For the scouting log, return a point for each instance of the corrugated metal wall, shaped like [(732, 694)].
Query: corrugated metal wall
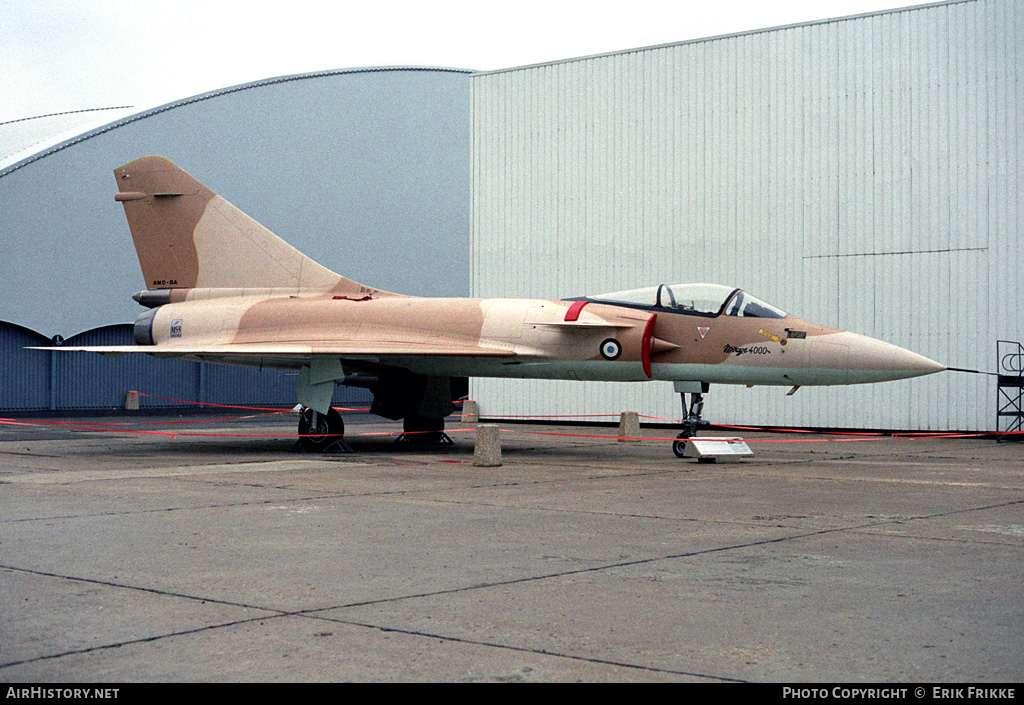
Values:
[(25, 375), (35, 380), (864, 173)]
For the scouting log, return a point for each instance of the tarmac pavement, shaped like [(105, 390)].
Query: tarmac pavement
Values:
[(132, 556)]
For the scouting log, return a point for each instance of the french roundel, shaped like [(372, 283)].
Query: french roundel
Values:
[(611, 349)]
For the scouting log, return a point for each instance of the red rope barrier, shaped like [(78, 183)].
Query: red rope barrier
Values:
[(124, 427), (203, 403), (120, 427)]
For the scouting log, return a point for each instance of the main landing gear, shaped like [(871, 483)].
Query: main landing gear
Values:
[(325, 433), (423, 431), (321, 433), (692, 420)]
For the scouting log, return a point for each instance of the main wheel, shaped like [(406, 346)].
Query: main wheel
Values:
[(318, 431)]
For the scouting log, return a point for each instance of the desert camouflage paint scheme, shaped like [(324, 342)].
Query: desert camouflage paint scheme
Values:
[(222, 288)]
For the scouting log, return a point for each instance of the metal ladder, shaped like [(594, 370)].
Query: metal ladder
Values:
[(1010, 388)]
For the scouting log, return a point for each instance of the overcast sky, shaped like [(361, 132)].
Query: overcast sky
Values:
[(66, 55)]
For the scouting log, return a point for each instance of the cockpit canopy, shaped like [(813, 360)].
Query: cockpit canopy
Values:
[(693, 298)]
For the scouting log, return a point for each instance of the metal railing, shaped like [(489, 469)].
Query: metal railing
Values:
[(1010, 386)]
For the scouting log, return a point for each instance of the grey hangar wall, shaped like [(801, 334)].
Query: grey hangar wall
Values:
[(366, 171)]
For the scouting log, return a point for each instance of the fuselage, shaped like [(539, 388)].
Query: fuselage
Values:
[(586, 339)]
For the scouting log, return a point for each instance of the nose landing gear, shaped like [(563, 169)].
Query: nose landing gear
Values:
[(692, 419)]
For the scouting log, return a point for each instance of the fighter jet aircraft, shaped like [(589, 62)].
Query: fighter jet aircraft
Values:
[(222, 288)]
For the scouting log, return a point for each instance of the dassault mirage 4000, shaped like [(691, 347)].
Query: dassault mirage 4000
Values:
[(222, 288)]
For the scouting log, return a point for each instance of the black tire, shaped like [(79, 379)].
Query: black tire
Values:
[(318, 431), (679, 445), (423, 431)]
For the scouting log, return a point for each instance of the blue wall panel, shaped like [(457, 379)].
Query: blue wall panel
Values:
[(67, 381), (24, 374)]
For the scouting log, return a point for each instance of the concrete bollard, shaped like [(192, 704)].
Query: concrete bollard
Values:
[(470, 412), (629, 427), (131, 401), (487, 450)]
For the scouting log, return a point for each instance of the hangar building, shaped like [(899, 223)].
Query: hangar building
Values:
[(335, 162), (862, 172)]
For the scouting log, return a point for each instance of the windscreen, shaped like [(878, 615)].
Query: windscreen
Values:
[(752, 307)]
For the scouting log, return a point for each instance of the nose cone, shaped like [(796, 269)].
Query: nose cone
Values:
[(859, 359)]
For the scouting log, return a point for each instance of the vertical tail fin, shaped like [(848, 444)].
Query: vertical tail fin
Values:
[(186, 236)]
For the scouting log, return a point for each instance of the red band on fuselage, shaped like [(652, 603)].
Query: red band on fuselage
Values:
[(645, 345)]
